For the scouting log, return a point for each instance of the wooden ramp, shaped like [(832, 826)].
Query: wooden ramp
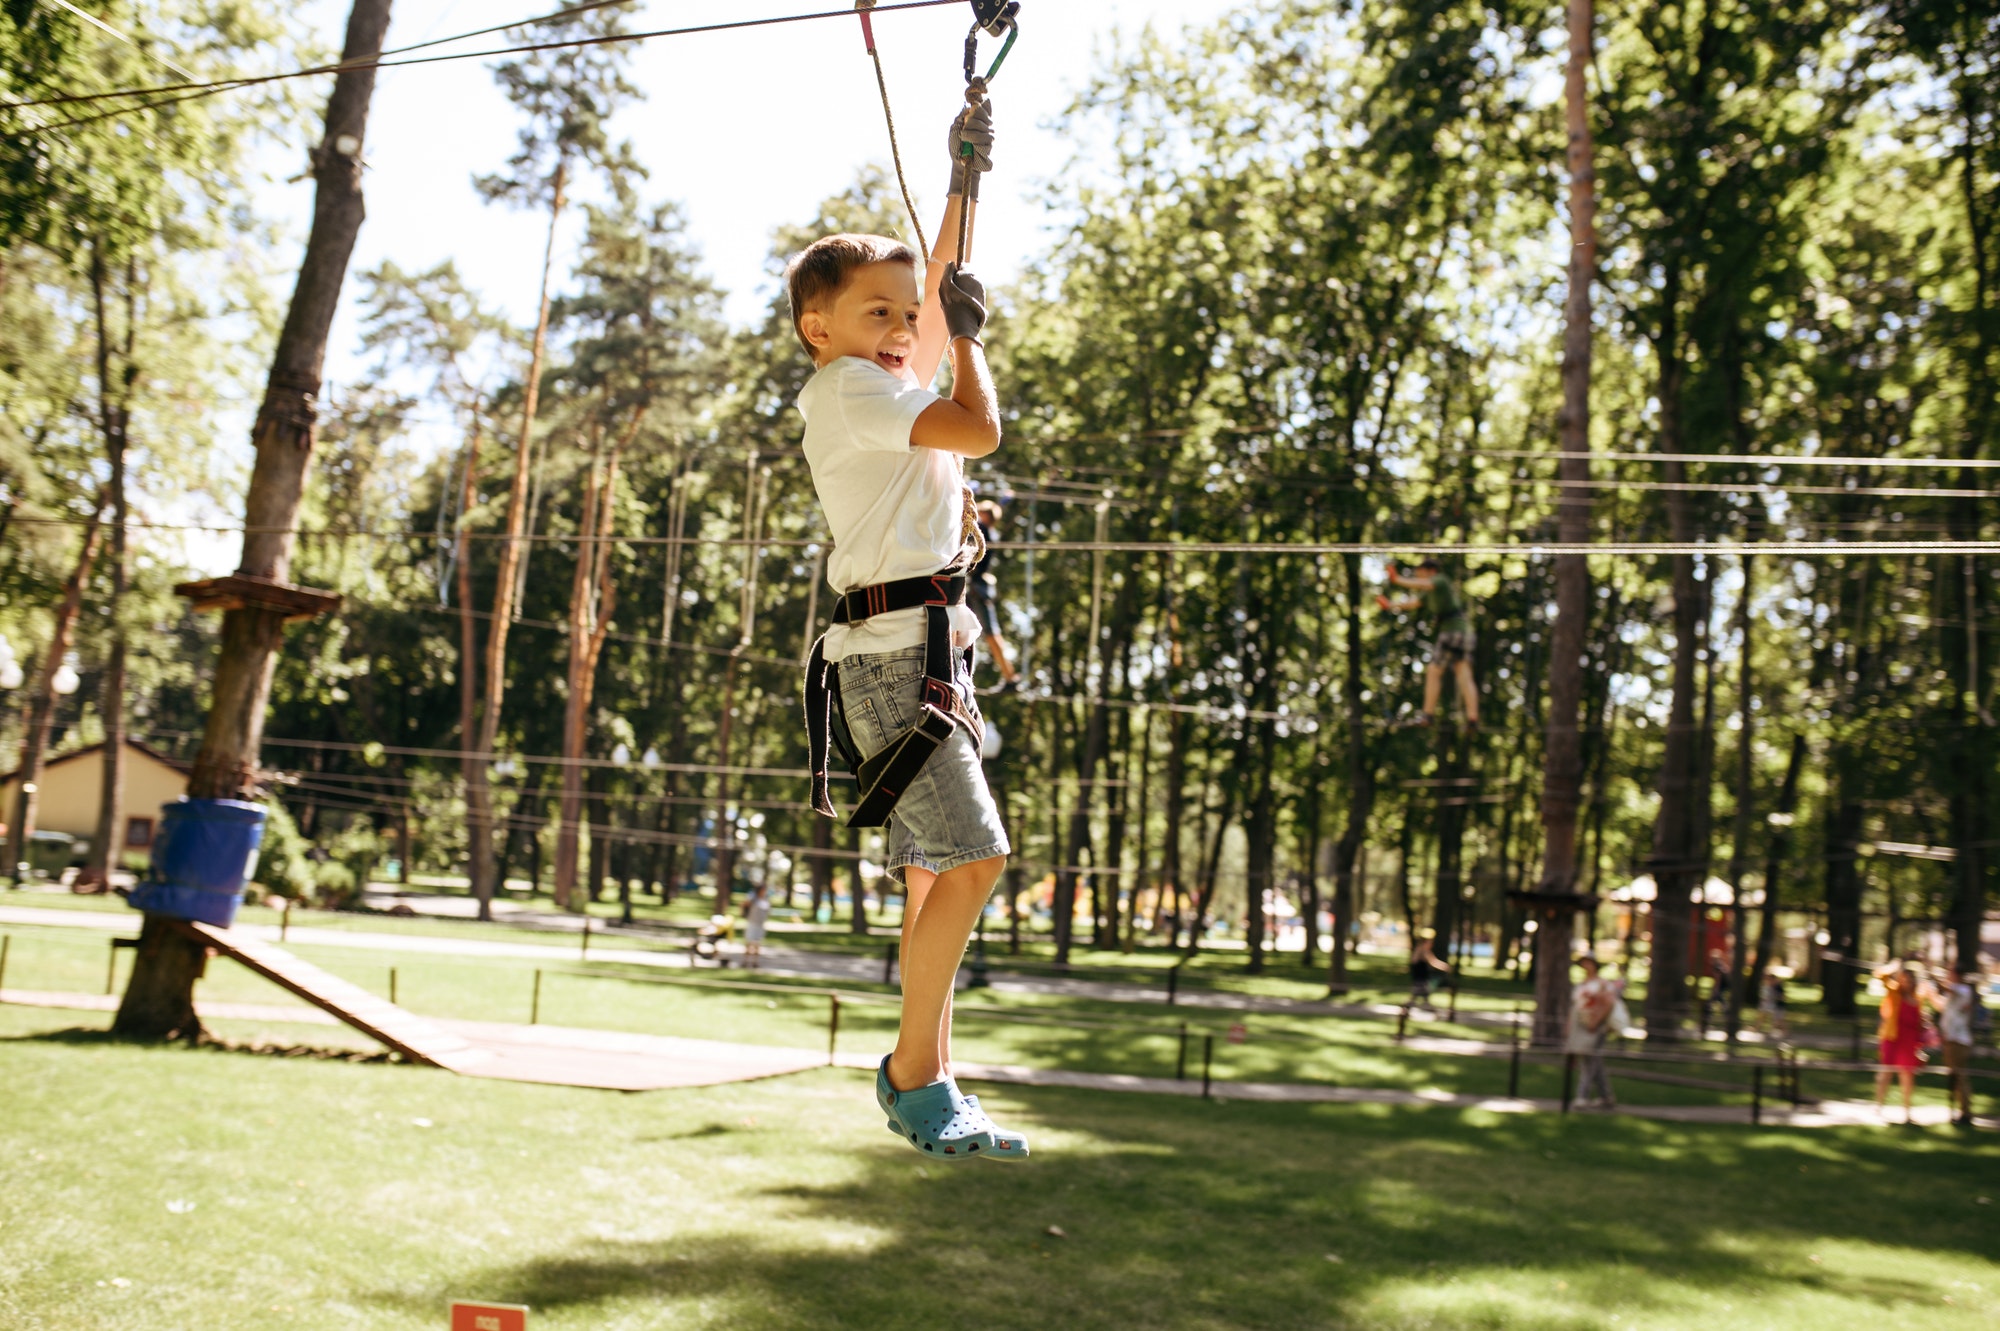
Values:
[(555, 1056), (412, 1036)]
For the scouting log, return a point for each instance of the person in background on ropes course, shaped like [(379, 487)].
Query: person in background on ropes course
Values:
[(982, 596), (1425, 967), (1452, 648), (887, 458)]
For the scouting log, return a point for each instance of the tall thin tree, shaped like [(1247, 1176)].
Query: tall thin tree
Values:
[(569, 95), (159, 998), (1554, 898)]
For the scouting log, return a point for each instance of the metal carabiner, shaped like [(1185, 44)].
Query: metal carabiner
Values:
[(996, 18)]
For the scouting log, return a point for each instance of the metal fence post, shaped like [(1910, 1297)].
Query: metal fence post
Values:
[(535, 1008), (832, 1026), (1173, 985), (1453, 1014), (1207, 1057), (392, 984), (586, 937), (1756, 1094), (889, 964), (1402, 1022), (1569, 1080), (1180, 1061), (285, 922), (5, 941)]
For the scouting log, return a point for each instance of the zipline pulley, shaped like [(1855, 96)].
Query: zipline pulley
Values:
[(996, 18)]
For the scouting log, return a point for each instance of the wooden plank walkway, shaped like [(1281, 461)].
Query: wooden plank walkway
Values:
[(415, 1038), (549, 1055)]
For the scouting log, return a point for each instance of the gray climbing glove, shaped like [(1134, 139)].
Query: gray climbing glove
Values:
[(962, 297), (977, 131)]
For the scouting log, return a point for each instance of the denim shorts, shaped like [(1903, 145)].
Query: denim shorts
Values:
[(947, 817)]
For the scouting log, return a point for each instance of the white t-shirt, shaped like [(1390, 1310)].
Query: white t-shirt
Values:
[(895, 509)]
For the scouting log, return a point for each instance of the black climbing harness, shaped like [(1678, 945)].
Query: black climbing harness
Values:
[(884, 776)]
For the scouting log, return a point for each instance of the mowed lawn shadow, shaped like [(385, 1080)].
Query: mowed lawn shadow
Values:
[(1177, 1214)]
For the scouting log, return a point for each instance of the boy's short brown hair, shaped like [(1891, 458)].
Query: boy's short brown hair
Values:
[(820, 271)]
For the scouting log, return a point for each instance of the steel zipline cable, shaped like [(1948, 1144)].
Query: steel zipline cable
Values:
[(1175, 549), (191, 91)]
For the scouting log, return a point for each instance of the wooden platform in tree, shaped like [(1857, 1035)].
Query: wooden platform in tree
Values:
[(239, 591)]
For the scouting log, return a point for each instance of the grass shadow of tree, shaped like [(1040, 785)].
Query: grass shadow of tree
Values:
[(1197, 1216)]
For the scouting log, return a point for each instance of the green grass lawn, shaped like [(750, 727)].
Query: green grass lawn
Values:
[(1034, 1030), (176, 1188)]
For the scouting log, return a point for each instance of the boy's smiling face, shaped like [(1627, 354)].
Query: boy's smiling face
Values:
[(874, 318)]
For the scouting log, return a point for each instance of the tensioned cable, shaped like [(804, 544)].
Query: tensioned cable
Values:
[(1746, 459), (191, 91), (224, 84), (1529, 549), (1745, 487), (342, 746)]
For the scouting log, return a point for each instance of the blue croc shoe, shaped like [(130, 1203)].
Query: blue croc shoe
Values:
[(935, 1118), (1006, 1145)]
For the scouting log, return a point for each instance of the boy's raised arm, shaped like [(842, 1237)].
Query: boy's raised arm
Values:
[(968, 422)]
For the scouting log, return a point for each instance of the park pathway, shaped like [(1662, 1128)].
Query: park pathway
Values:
[(613, 1060), (780, 962)]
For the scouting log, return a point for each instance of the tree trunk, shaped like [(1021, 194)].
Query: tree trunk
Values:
[(114, 418), (472, 763), (1739, 838), (1096, 733), (42, 704), (511, 548), (1171, 873), (1677, 861), (159, 998), (1447, 904), (1776, 847), (858, 923), (601, 823), (1261, 834), (821, 867), (1360, 786), (591, 600), (1553, 902)]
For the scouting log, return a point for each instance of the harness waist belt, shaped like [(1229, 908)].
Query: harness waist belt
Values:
[(885, 775)]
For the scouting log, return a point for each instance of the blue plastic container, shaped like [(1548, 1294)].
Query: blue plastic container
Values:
[(203, 854)]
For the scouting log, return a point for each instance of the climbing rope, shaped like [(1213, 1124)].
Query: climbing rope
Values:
[(889, 115), (995, 17)]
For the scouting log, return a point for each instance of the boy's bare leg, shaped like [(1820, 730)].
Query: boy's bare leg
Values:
[(1433, 686), (930, 964), (917, 886), (1468, 692)]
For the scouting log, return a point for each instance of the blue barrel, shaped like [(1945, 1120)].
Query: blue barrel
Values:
[(203, 854)]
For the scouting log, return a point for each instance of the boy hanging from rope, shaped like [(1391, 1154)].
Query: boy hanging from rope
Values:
[(1452, 648), (890, 685)]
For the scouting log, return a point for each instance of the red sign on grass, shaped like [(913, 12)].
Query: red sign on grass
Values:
[(488, 1317)]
